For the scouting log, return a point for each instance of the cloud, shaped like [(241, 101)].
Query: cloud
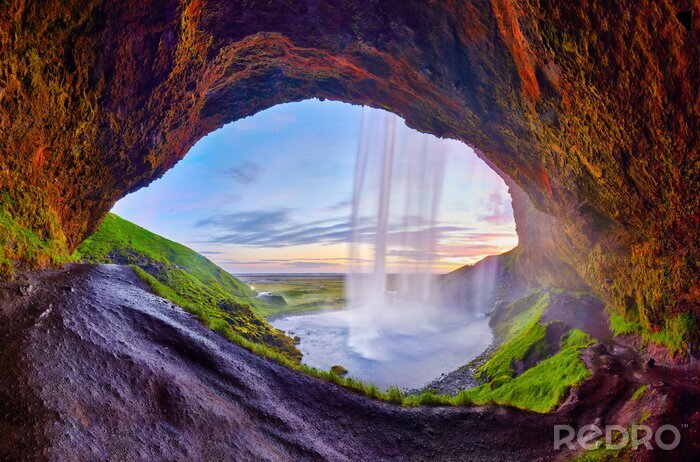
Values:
[(341, 205), (282, 227), (277, 228), (241, 262), (292, 260), (271, 228), (245, 173), (310, 263), (251, 222), (287, 260), (276, 236), (498, 209)]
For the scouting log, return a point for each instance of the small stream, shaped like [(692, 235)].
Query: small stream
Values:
[(409, 362)]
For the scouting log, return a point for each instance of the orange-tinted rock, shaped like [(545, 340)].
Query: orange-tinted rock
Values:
[(591, 108)]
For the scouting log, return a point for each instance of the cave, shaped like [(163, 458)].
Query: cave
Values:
[(589, 112), (513, 83), (287, 202)]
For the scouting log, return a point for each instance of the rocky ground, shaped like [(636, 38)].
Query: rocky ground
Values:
[(97, 368), (462, 378)]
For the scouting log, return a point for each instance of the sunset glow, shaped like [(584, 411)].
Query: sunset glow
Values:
[(271, 193)]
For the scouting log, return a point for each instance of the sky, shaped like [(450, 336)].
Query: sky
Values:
[(272, 193)]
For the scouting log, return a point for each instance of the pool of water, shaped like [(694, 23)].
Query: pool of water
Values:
[(409, 361)]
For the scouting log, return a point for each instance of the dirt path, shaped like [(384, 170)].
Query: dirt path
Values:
[(96, 368)]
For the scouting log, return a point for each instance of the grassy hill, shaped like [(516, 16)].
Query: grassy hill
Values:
[(186, 278)]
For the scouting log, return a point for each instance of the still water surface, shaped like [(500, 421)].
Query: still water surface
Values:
[(409, 361)]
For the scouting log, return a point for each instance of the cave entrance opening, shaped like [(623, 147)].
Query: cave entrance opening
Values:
[(345, 222)]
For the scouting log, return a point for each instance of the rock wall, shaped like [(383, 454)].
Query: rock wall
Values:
[(591, 108)]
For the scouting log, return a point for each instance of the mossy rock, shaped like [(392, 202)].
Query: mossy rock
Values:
[(339, 370)]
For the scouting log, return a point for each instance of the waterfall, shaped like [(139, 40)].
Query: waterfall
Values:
[(391, 288)]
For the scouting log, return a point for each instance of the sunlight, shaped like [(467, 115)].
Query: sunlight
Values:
[(297, 196)]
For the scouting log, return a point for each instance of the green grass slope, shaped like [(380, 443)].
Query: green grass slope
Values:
[(543, 385), (191, 281), (186, 278)]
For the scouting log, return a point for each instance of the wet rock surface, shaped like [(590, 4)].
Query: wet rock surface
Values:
[(112, 372)]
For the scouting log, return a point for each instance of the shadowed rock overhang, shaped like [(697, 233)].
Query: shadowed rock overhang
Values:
[(589, 110)]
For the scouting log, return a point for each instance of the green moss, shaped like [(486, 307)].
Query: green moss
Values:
[(674, 335), (602, 455), (639, 392), (620, 326), (501, 363), (21, 243), (339, 370), (541, 387), (511, 258), (522, 314), (525, 336)]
